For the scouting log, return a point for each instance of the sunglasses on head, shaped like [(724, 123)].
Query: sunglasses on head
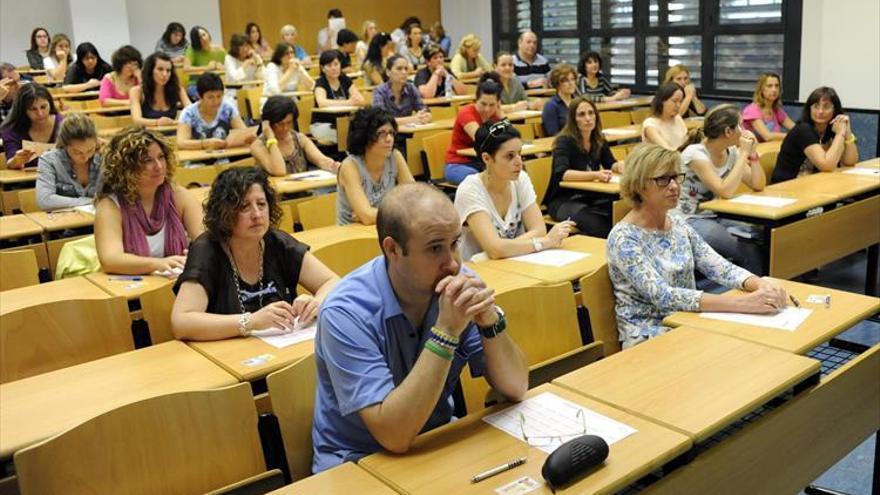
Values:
[(495, 130)]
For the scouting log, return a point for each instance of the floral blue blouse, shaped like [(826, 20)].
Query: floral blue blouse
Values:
[(653, 275)]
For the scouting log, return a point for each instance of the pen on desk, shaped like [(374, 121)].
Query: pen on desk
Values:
[(828, 301), (133, 278), (498, 470), (794, 301)]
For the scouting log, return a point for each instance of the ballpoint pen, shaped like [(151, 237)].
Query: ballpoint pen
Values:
[(498, 470), (794, 301)]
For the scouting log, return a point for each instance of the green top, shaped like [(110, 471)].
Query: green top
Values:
[(202, 58)]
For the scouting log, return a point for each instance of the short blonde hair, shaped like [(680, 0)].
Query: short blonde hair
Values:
[(643, 163), (469, 40), (674, 71), (287, 29), (76, 127)]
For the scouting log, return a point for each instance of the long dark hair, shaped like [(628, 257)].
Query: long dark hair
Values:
[(174, 27), (195, 41), (718, 120), (374, 52), (247, 32), (172, 87), (571, 130), (17, 118), (82, 51), (664, 92), (34, 46)]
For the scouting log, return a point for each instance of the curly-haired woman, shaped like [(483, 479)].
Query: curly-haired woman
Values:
[(242, 273), (143, 221)]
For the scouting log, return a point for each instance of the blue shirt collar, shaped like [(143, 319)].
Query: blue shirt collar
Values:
[(390, 305)]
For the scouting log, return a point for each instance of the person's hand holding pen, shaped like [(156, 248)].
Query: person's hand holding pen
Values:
[(766, 296)]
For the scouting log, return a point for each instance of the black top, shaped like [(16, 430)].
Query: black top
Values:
[(567, 156), (424, 75), (791, 152), (208, 265), (345, 59), (340, 93), (75, 75), (35, 60)]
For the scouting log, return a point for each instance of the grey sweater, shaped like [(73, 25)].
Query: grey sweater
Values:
[(56, 185)]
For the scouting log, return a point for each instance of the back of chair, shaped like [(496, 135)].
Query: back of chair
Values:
[(27, 201), (442, 112), (526, 131), (249, 101), (59, 334), (292, 392), (539, 171), (243, 162), (597, 295), (768, 163), (319, 211), (188, 442), (305, 104), (435, 148), (639, 115), (19, 269), (195, 176), (615, 119), (344, 256), (156, 308)]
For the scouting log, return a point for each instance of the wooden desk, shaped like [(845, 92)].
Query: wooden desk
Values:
[(749, 213), (872, 163), (499, 280), (527, 116), (837, 184), (537, 146), (571, 272), (442, 461), (243, 84), (129, 289), (113, 109), (286, 185), (11, 181), (162, 129), (345, 479), (18, 232), (83, 95), (414, 145), (57, 290), (198, 155), (693, 381), (38, 407), (609, 190), (55, 224), (230, 355), (343, 115), (324, 236), (626, 104), (845, 310), (456, 100), (541, 92)]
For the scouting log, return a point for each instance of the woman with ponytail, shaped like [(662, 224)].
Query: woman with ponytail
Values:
[(717, 158)]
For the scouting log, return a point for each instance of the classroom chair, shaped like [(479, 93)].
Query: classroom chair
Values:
[(539, 171), (292, 392), (319, 211), (59, 334), (442, 112), (538, 130), (196, 176), (19, 269), (640, 114), (542, 320), (620, 151), (346, 255), (768, 163), (612, 119), (27, 201), (305, 104), (249, 101), (288, 219), (156, 311), (526, 131), (435, 147), (597, 295), (187, 442)]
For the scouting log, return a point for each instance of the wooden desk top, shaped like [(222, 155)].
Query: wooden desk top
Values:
[(114, 109), (447, 100), (442, 461), (53, 221), (540, 145), (437, 125), (767, 147), (56, 290), (345, 479), (230, 355), (12, 226), (554, 275), (35, 408), (845, 310), (694, 381), (285, 185), (112, 131), (296, 94), (242, 84), (500, 280), (541, 92), (10, 176), (196, 155), (835, 184), (523, 115), (612, 188), (805, 201), (337, 110), (631, 102), (872, 163), (323, 236), (129, 289), (83, 95)]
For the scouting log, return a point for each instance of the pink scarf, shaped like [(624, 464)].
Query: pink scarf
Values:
[(136, 226)]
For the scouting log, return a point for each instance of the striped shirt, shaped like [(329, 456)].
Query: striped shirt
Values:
[(526, 72), (603, 88)]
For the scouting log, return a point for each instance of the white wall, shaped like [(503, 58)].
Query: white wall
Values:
[(108, 24), (840, 47), (19, 17), (461, 17), (147, 20)]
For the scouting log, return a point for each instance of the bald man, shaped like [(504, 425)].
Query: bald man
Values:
[(394, 335), (530, 67)]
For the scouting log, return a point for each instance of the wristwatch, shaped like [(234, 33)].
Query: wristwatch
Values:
[(244, 323), (537, 244), (499, 326)]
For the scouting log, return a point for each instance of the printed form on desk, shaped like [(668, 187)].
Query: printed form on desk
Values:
[(551, 257), (281, 339), (549, 415), (788, 319), (769, 201)]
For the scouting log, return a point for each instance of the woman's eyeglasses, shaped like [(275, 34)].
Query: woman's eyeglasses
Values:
[(384, 134), (665, 180)]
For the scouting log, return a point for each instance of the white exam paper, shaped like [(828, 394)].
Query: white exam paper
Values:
[(90, 209), (551, 257), (870, 172), (770, 201), (548, 414), (617, 132), (788, 319), (281, 339), (615, 179), (312, 175)]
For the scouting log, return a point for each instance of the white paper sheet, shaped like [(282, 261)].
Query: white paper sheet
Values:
[(172, 273), (617, 132), (770, 201), (312, 175), (281, 339), (788, 319), (90, 209), (549, 415), (870, 172), (615, 179), (551, 257)]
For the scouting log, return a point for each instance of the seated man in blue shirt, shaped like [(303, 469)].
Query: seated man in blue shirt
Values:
[(394, 335)]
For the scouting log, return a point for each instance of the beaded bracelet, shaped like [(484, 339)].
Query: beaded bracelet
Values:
[(443, 338), (438, 350)]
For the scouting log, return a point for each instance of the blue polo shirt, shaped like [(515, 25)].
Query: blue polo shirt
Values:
[(364, 348)]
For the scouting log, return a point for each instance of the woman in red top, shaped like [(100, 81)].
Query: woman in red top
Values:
[(470, 117)]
